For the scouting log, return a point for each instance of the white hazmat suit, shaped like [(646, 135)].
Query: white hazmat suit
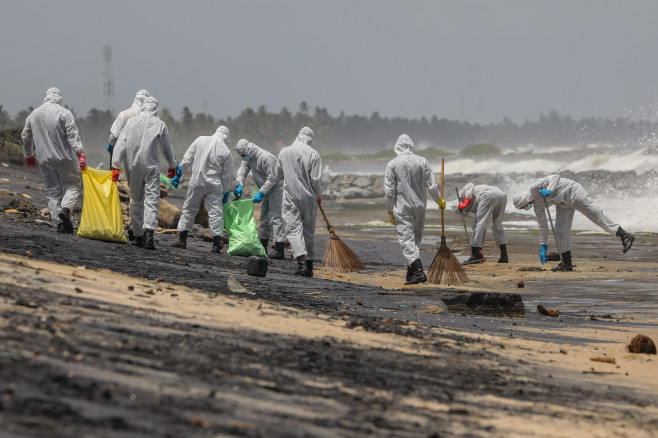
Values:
[(125, 115), (137, 151), (407, 179), (568, 196), (212, 174), (51, 132), (262, 164), (300, 167), (486, 201)]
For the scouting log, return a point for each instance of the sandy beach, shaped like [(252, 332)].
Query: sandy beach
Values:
[(102, 339)]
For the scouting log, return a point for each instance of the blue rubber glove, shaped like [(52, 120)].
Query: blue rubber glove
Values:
[(225, 198), (545, 192), (175, 181), (179, 172), (109, 147), (542, 253), (238, 191), (258, 197)]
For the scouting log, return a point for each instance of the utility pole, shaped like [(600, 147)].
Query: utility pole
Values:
[(108, 81), (461, 117)]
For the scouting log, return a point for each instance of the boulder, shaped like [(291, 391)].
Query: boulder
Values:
[(362, 182), (168, 215)]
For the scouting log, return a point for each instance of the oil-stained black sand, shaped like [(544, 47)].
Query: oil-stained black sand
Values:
[(77, 365)]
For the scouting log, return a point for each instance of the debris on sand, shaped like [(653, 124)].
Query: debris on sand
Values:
[(642, 344), (235, 286), (520, 284), (14, 203), (531, 269), (604, 359), (548, 312)]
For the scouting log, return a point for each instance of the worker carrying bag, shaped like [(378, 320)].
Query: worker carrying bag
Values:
[(241, 228), (101, 210)]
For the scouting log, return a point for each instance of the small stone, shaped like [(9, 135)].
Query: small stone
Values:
[(520, 284), (642, 344)]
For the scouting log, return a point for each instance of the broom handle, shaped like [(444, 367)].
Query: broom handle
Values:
[(443, 228), (462, 214), (552, 228), (329, 227)]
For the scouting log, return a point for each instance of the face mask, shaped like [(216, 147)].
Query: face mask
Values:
[(246, 158)]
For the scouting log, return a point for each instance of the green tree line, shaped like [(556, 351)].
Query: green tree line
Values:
[(360, 134)]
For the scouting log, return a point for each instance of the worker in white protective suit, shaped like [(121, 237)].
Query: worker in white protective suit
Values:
[(300, 167), (123, 118), (137, 151), (262, 164), (212, 174), (51, 132), (326, 180), (407, 179), (567, 196), (485, 201)]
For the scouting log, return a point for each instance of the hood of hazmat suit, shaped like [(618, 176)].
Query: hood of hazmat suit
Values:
[(224, 134), (522, 200), (407, 179), (262, 165), (126, 115), (211, 162)]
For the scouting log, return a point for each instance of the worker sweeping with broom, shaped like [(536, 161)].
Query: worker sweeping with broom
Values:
[(300, 167), (407, 179), (568, 196)]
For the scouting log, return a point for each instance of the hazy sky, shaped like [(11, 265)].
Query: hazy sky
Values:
[(401, 58)]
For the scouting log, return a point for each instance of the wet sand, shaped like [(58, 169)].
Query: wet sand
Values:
[(110, 340)]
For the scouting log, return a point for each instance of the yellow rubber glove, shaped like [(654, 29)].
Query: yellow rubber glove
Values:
[(441, 204), (390, 215)]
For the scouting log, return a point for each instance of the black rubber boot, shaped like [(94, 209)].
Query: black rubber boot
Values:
[(626, 239), (278, 253), (410, 272), (475, 257), (264, 242), (217, 244), (138, 241), (60, 228), (182, 240), (565, 265), (503, 254), (301, 267), (309, 267), (131, 235), (148, 239), (418, 275), (65, 216)]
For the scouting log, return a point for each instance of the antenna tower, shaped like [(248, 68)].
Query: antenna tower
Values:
[(108, 82)]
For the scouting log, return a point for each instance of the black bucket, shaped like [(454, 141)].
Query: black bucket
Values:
[(257, 266)]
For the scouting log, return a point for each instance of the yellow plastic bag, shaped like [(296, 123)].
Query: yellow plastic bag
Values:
[(101, 211)]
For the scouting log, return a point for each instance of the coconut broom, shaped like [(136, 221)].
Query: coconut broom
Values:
[(445, 266), (339, 258)]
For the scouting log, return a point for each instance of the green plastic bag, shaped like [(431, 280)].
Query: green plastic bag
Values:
[(241, 228)]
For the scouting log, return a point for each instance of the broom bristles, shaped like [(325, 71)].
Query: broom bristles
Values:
[(446, 268), (339, 257)]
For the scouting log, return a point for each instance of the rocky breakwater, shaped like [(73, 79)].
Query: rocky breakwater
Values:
[(372, 186), (357, 186), (602, 182)]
